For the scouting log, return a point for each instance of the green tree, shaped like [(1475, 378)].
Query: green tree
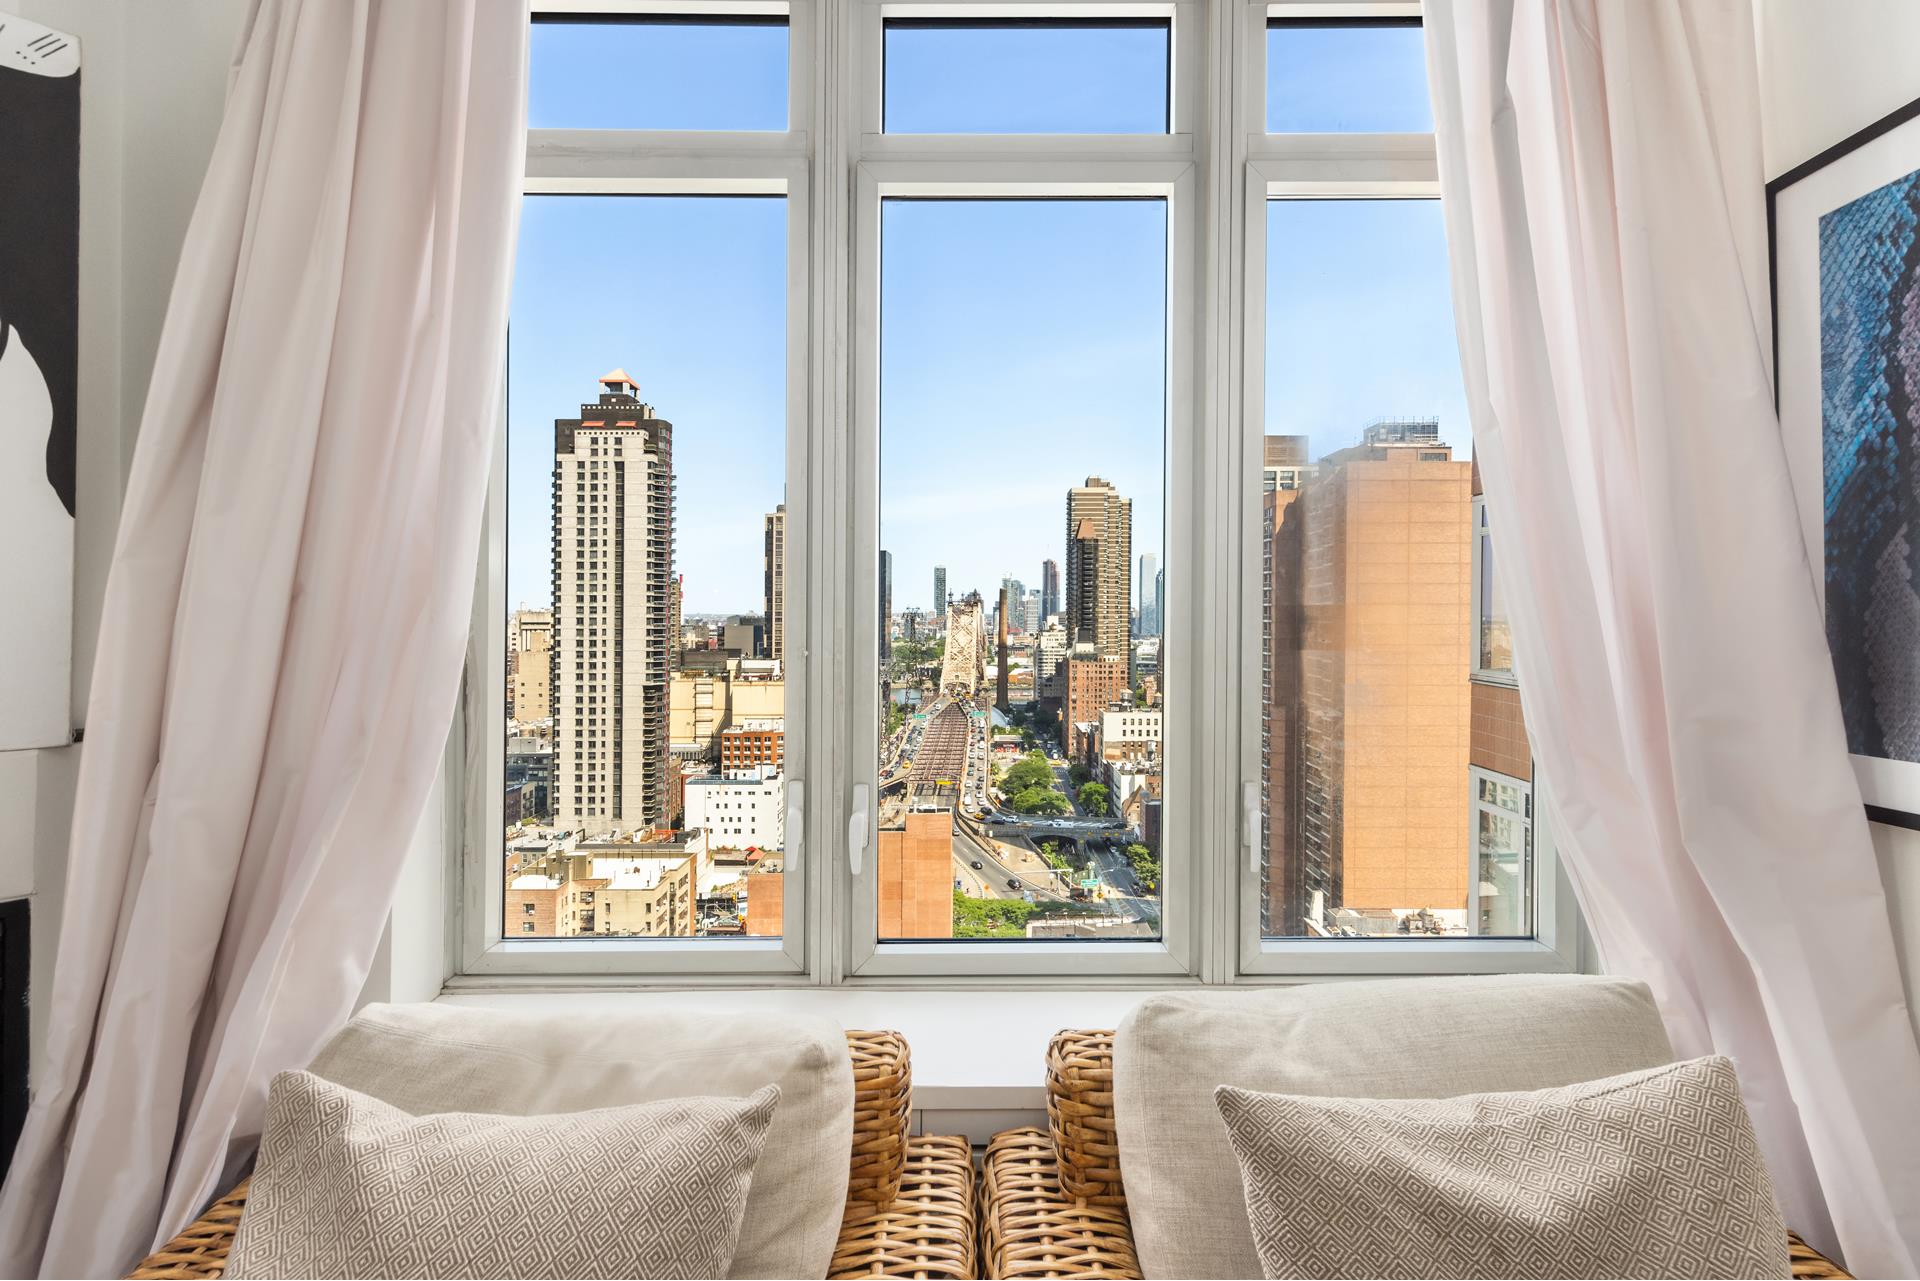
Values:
[(1002, 918), (1093, 798), (1027, 772), (1042, 801), (989, 918), (1146, 868)]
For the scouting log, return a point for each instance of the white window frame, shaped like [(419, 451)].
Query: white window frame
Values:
[(1216, 168), (1477, 807), (1162, 166), (1390, 166), (636, 162)]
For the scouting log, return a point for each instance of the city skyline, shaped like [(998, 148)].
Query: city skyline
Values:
[(712, 359)]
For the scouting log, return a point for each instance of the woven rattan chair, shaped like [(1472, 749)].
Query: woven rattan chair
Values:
[(1052, 1203), (910, 1201)]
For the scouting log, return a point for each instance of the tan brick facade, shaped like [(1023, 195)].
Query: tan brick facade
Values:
[(1092, 684), (1387, 644), (1499, 740), (766, 903), (916, 877)]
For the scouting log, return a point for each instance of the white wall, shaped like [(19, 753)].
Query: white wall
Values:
[(153, 77), (1827, 70)]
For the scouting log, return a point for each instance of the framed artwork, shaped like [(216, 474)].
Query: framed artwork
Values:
[(1845, 232), (39, 376)]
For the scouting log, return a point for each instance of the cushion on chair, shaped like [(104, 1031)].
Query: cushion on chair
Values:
[(348, 1186), (1397, 1038), (451, 1058), (1650, 1174)]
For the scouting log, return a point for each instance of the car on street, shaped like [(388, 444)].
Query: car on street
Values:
[(977, 865), (1013, 882)]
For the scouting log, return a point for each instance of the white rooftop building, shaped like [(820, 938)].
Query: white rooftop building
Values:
[(739, 812)]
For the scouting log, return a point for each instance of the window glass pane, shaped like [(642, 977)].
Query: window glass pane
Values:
[(646, 472), (1372, 722), (1347, 78), (1501, 899), (1027, 77), (658, 73), (1022, 478), (1495, 638)]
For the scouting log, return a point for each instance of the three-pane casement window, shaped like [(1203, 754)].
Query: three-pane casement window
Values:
[(986, 494)]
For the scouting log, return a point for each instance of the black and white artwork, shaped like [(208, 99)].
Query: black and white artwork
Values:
[(39, 375)]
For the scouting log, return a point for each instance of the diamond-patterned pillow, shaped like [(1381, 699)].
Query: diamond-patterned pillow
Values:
[(1650, 1174), (348, 1186)]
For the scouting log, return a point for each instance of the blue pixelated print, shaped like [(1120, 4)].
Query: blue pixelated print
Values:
[(1869, 389)]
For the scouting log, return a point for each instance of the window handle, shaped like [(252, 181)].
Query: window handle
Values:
[(796, 824), (857, 823), (1250, 824)]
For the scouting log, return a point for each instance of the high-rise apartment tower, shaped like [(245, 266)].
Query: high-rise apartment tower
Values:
[(1099, 603), (774, 571), (613, 609)]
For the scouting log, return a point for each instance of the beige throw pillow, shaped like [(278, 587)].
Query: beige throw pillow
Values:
[(348, 1186), (1652, 1174)]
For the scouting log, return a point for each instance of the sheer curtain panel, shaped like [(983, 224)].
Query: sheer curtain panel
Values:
[(287, 610), (1601, 173)]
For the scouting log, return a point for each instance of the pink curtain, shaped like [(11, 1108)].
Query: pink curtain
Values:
[(287, 611), (1600, 165)]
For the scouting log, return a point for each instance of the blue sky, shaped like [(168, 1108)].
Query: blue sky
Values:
[(1360, 321), (1024, 342), (1023, 349), (1357, 79)]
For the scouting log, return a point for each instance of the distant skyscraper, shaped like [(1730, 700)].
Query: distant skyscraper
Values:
[(1032, 611), (1149, 606), (1000, 661), (613, 608), (1160, 603), (1049, 653), (939, 589), (1099, 605), (1049, 590), (530, 665), (886, 605), (530, 629), (1014, 592), (774, 571)]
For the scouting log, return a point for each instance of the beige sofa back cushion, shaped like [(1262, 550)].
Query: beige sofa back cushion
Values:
[(1394, 1038), (451, 1058), (348, 1186)]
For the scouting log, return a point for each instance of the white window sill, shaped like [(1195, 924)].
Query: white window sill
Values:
[(979, 1057)]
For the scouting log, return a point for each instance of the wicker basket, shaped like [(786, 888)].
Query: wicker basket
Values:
[(927, 1230), (1052, 1203), (910, 1202)]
